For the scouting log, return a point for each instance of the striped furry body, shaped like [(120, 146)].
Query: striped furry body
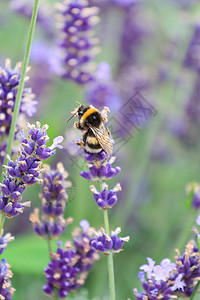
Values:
[(96, 136), (91, 143)]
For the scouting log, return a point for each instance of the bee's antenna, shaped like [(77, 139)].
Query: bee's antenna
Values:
[(78, 103), (70, 118)]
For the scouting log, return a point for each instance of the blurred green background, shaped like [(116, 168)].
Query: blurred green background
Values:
[(152, 206)]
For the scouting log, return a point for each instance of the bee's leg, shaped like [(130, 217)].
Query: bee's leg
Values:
[(108, 131), (78, 126), (80, 144)]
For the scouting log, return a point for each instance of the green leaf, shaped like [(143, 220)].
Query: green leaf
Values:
[(27, 255)]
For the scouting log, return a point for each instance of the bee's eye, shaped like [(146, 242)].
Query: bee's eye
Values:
[(94, 117), (80, 113)]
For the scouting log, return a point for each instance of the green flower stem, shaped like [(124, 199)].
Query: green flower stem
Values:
[(185, 235), (195, 290), (49, 245), (55, 295), (110, 260), (2, 218), (19, 95), (21, 83)]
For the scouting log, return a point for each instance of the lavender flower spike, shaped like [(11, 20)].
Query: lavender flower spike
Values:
[(69, 267), (77, 41), (6, 291), (25, 170), (107, 244), (101, 171), (193, 191), (169, 280), (54, 198), (4, 240), (48, 227), (105, 199), (9, 83)]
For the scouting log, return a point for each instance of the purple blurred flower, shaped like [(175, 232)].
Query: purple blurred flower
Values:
[(185, 4), (106, 198), (102, 91), (43, 56), (3, 146), (193, 191), (77, 40), (25, 170), (188, 265), (44, 17), (198, 220), (148, 268), (133, 33), (4, 241), (69, 267), (125, 3), (6, 291), (192, 58), (109, 244)]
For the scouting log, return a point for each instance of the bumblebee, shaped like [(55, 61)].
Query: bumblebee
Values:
[(96, 135)]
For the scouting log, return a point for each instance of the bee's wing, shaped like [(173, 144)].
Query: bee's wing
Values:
[(103, 136)]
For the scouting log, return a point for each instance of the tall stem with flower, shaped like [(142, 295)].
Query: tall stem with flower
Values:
[(11, 105), (68, 267), (19, 93), (25, 170), (101, 170)]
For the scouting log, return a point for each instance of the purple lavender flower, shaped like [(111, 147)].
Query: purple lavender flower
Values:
[(48, 227), (43, 57), (188, 265), (105, 199), (185, 4), (69, 267), (109, 244), (26, 169), (102, 91), (192, 60), (44, 17), (156, 283), (4, 241), (54, 194), (198, 220), (133, 33), (101, 172), (9, 82), (77, 40), (125, 3), (193, 191), (82, 238), (168, 279), (54, 198), (3, 147), (92, 157), (6, 291)]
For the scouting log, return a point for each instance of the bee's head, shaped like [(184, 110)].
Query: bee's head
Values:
[(80, 111)]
